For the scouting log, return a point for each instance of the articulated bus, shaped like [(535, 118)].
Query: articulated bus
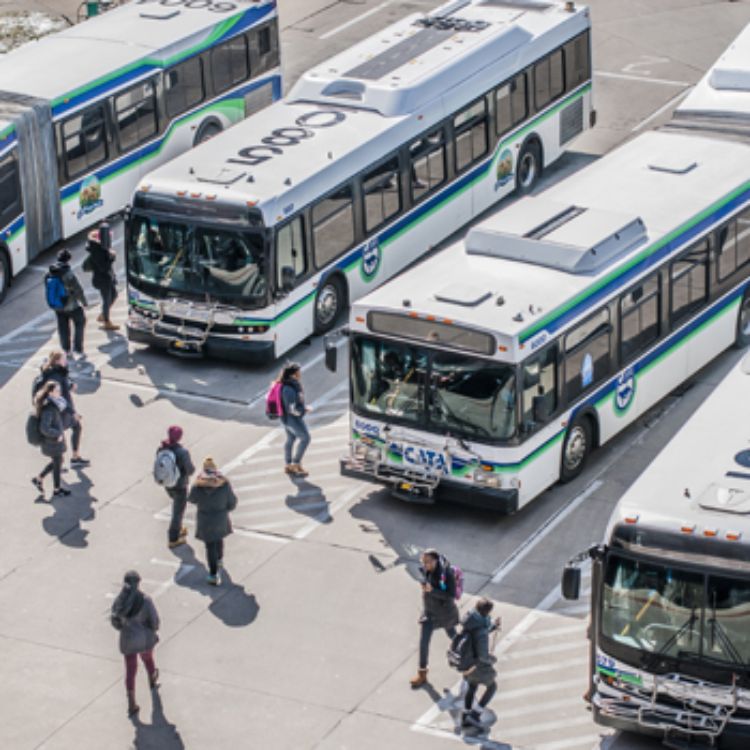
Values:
[(670, 606), (85, 112), (490, 372), (258, 239)]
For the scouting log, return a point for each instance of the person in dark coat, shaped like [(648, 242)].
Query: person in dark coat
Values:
[(482, 672), (135, 616), (56, 368), (439, 607), (72, 312), (101, 262), (177, 533), (215, 498), (293, 419), (50, 406)]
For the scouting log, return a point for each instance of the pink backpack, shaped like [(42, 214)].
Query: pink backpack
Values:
[(274, 408)]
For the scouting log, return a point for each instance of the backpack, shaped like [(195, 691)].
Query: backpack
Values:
[(33, 433), (37, 384), (166, 471), (274, 407), (461, 654), (458, 577), (117, 622), (55, 291)]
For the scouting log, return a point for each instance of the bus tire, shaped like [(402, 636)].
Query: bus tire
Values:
[(207, 130), (4, 273), (329, 302), (529, 166), (742, 339), (578, 444)]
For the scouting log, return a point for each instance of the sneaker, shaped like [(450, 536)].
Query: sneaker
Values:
[(183, 531), (289, 469), (212, 580), (153, 680), (80, 461), (61, 492), (299, 470), (176, 543), (38, 484), (109, 326), (471, 720)]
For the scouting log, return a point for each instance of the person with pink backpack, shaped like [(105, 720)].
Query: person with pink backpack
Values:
[(286, 401)]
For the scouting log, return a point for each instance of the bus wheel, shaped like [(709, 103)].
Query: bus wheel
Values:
[(206, 131), (576, 449), (529, 167), (329, 303), (4, 274), (743, 322)]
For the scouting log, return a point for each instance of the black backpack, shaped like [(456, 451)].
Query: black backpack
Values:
[(36, 385), (461, 655)]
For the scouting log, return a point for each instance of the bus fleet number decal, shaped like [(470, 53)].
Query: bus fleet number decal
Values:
[(216, 7)]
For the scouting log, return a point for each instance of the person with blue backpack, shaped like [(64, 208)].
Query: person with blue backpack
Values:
[(65, 296)]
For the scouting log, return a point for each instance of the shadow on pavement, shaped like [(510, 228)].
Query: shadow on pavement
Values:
[(309, 501), (65, 523), (159, 734)]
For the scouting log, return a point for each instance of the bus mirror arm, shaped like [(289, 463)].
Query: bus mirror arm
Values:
[(571, 576)]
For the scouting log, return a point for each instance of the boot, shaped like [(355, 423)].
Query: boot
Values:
[(108, 325), (100, 318), (153, 680), (133, 707), (419, 680)]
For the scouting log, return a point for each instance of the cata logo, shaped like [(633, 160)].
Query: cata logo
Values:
[(371, 256), (624, 391)]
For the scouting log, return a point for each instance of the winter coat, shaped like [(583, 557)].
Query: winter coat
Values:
[(184, 464), (480, 627), (292, 399), (214, 497), (52, 429), (138, 633), (101, 263), (76, 298), (440, 603), (60, 375)]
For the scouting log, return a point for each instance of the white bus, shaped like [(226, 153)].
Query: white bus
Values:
[(670, 611), (490, 371), (85, 112), (251, 243)]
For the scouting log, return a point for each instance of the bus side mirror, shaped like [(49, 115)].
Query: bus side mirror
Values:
[(571, 582), (288, 277), (332, 353)]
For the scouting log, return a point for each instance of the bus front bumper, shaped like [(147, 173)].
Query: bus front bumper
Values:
[(416, 488)]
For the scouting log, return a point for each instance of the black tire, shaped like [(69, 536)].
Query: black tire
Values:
[(742, 338), (206, 131), (329, 302), (576, 449), (4, 274), (528, 167)]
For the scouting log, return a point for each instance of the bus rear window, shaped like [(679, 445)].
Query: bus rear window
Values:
[(431, 332)]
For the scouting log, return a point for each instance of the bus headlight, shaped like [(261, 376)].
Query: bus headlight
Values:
[(487, 478)]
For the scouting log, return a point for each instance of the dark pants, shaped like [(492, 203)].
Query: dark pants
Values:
[(75, 435), (296, 430), (425, 637), (215, 554), (64, 320), (489, 692), (179, 500), (54, 466), (108, 292), (131, 667)]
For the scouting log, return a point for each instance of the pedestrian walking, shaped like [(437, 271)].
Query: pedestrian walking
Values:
[(439, 606), (176, 479), (50, 405), (214, 497), (478, 625), (100, 262), (135, 616), (56, 368), (293, 419), (65, 296)]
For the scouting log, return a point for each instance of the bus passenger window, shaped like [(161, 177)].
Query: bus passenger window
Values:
[(382, 193), (539, 388), (85, 141), (548, 79), (470, 127), (183, 86), (689, 281), (135, 115), (577, 61), (229, 64), (639, 318), (264, 48), (587, 354), (10, 189), (510, 104), (734, 245), (427, 164), (290, 251), (333, 226)]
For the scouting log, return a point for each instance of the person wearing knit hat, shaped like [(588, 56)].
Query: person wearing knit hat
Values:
[(177, 533), (214, 497), (69, 305)]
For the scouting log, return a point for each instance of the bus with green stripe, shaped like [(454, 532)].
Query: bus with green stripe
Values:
[(490, 371), (253, 242), (86, 112)]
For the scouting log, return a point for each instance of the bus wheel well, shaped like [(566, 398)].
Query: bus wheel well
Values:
[(331, 299), (210, 127), (530, 164), (590, 416)]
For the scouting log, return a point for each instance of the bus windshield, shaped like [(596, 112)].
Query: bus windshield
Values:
[(222, 265), (661, 610), (446, 392)]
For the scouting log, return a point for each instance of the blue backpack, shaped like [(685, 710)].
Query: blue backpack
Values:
[(57, 294)]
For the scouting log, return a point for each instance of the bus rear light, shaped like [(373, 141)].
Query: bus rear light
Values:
[(195, 195), (687, 528), (431, 318), (734, 536), (633, 518), (413, 315), (448, 321), (250, 204), (710, 532), (359, 319), (181, 193)]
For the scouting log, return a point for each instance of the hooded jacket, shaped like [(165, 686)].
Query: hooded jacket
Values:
[(214, 497), (440, 603), (138, 632), (480, 628), (101, 262), (76, 297), (51, 427), (61, 376)]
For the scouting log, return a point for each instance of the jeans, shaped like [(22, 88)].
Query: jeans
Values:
[(215, 554), (75, 435), (54, 466), (296, 430), (179, 500), (64, 320), (131, 667), (489, 692), (109, 295), (425, 637)]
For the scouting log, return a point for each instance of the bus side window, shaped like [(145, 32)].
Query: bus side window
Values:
[(136, 115), (10, 189), (291, 261), (470, 133), (577, 61), (183, 86), (640, 318), (587, 354), (229, 64), (510, 104), (734, 246), (85, 141), (382, 193), (539, 388), (264, 48), (689, 282), (548, 79), (333, 225), (427, 164)]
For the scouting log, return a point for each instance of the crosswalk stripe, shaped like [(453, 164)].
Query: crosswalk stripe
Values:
[(545, 687), (542, 668), (584, 741), (546, 726), (538, 635), (535, 649), (277, 524), (575, 609), (282, 487), (274, 511), (533, 708)]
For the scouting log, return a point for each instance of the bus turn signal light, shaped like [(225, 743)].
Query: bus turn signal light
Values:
[(734, 536), (687, 528)]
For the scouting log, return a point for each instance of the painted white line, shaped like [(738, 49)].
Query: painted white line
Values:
[(640, 79), (332, 510), (547, 726), (662, 109), (283, 487), (544, 687), (43, 317), (572, 742), (277, 524), (281, 509), (165, 514), (577, 609), (546, 633), (534, 649), (549, 525), (354, 21), (532, 709), (19, 352), (546, 667)]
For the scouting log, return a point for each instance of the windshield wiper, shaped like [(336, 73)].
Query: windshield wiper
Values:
[(719, 633), (652, 658)]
